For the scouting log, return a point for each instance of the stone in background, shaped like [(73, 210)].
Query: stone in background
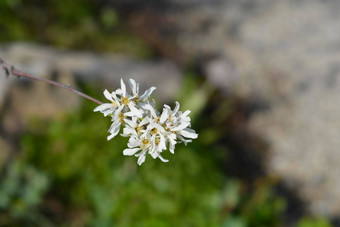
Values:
[(287, 53)]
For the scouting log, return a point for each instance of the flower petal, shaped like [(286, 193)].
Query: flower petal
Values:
[(147, 93), (134, 111), (144, 121), (141, 159), (112, 136), (176, 108), (128, 132), (108, 95), (185, 114), (103, 107), (133, 86), (161, 158), (114, 126), (181, 126), (123, 87), (130, 151), (165, 115), (132, 123), (118, 92), (114, 96), (189, 133), (133, 142)]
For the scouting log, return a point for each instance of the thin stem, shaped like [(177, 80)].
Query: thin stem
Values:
[(10, 70)]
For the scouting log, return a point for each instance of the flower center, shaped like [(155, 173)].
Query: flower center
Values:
[(145, 142), (138, 129), (154, 131), (157, 119), (157, 141), (125, 101), (114, 103)]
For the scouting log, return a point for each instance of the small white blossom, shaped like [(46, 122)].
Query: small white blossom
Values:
[(150, 131)]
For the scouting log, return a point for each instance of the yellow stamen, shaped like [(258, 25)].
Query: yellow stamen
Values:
[(157, 141), (138, 129), (154, 131), (114, 103), (125, 101), (145, 142)]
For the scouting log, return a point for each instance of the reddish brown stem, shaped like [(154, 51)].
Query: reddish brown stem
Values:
[(10, 70)]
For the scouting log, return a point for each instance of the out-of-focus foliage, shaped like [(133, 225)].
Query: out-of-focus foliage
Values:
[(314, 222), (21, 190), (76, 24), (92, 183)]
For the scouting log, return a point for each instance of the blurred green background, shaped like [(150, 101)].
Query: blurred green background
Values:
[(63, 172)]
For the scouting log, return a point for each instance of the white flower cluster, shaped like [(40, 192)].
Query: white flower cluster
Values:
[(150, 132)]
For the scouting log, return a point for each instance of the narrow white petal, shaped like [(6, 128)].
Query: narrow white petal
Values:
[(131, 123), (172, 143), (108, 95), (112, 135), (135, 111), (128, 132), (141, 159), (133, 142), (117, 112), (137, 88), (133, 86), (162, 144), (108, 112), (165, 115), (123, 87), (189, 133), (115, 127), (185, 114), (103, 107), (145, 120), (118, 92), (130, 151), (114, 96), (184, 140), (147, 93), (181, 126), (176, 108), (161, 158), (172, 148)]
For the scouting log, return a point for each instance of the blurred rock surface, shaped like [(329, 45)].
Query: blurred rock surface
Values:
[(287, 53)]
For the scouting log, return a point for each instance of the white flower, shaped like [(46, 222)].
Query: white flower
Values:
[(109, 108), (177, 125), (136, 144), (121, 101), (134, 127), (146, 144), (150, 132)]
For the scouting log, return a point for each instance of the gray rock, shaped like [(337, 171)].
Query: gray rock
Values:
[(286, 52), (107, 68)]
